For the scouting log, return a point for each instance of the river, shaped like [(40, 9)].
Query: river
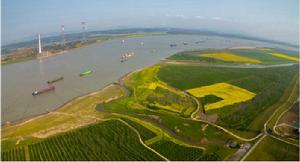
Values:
[(19, 80)]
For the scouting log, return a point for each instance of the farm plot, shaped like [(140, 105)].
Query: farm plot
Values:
[(228, 56), (110, 140), (229, 93), (269, 85), (280, 55), (176, 152), (271, 149), (16, 154)]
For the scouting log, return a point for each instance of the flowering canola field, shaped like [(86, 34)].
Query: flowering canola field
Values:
[(285, 56), (227, 56), (229, 93)]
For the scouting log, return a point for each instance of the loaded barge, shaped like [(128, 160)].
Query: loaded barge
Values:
[(38, 92), (55, 80)]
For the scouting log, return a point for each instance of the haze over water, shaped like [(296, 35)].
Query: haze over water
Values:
[(19, 80)]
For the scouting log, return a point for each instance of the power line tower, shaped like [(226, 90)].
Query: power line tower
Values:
[(63, 41), (83, 24)]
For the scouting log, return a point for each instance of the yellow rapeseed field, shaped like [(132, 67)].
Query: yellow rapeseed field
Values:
[(229, 93), (285, 56), (227, 56)]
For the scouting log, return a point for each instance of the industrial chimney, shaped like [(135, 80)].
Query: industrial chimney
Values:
[(40, 46)]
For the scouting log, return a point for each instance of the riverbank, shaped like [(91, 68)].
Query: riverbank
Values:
[(54, 50)]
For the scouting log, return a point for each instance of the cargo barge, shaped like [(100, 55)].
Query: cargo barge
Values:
[(87, 72), (38, 92), (55, 80)]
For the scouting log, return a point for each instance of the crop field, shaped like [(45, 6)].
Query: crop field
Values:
[(145, 133), (285, 56), (233, 56), (110, 140), (176, 152), (271, 149), (227, 56), (268, 84), (229, 93), (16, 154)]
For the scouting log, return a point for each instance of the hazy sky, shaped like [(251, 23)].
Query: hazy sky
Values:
[(272, 19)]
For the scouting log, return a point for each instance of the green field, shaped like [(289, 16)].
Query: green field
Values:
[(175, 152), (259, 54), (269, 85), (110, 140), (271, 149)]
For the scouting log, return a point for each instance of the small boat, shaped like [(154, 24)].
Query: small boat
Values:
[(185, 43), (126, 56), (87, 72), (37, 92), (55, 80), (173, 45)]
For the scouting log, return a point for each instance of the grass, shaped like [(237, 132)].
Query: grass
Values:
[(271, 149), (227, 56), (229, 93), (268, 84), (148, 93)]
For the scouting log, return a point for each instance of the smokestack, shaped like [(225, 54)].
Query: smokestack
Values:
[(40, 46)]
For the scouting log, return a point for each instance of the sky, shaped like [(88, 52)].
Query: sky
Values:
[(271, 19)]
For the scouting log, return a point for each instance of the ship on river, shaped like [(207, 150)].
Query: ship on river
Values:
[(87, 72), (40, 91), (55, 80), (126, 56)]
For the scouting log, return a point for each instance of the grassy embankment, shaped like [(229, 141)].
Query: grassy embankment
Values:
[(76, 113)]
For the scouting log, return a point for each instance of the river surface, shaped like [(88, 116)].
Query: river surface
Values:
[(19, 80)]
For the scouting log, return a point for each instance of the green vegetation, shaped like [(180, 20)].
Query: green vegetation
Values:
[(16, 154), (259, 54), (268, 83), (144, 132), (110, 140), (149, 94), (176, 152), (271, 149)]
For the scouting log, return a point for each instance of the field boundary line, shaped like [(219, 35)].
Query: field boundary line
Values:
[(252, 148), (140, 139), (215, 125), (284, 141)]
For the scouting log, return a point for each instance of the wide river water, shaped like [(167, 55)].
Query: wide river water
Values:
[(19, 80)]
